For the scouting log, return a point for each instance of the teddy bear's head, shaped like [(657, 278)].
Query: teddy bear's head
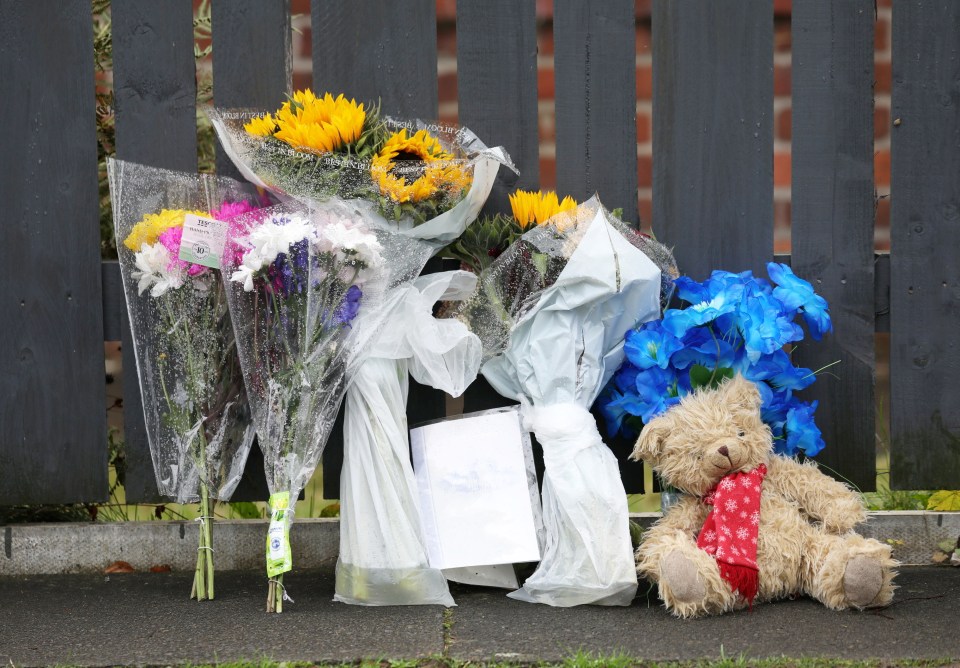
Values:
[(709, 434)]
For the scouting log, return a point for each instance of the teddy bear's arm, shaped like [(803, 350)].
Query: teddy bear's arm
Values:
[(821, 497)]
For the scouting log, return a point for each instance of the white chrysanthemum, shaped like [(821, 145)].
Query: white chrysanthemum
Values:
[(155, 271), (339, 236), (268, 240)]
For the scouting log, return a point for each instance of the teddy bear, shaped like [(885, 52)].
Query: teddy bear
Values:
[(750, 524)]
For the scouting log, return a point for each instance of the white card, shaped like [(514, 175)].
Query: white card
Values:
[(202, 240), (475, 498)]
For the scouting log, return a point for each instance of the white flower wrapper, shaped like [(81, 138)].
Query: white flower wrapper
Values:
[(553, 311)]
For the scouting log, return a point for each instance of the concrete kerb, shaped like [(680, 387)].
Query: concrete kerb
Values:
[(43, 549)]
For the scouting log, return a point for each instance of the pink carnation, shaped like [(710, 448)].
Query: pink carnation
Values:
[(170, 238)]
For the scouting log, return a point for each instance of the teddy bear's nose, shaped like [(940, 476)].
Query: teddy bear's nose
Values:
[(723, 451)]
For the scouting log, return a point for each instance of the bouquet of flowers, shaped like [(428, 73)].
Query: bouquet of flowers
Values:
[(730, 324), (419, 185), (298, 282), (487, 239), (428, 180), (552, 312), (195, 408)]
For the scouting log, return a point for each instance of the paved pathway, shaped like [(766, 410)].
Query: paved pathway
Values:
[(147, 619)]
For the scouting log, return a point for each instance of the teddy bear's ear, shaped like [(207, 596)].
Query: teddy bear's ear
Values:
[(651, 440), (742, 394)]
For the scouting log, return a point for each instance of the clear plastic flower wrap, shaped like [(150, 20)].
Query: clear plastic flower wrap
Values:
[(306, 294), (428, 180), (195, 409), (418, 181), (552, 313)]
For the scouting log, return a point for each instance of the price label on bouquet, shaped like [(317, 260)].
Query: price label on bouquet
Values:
[(202, 241)]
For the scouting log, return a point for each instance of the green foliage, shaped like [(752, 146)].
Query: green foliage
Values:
[(944, 500), (245, 510), (702, 377), (484, 241)]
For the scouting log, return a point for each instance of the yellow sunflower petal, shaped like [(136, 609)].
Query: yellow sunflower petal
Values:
[(531, 208)]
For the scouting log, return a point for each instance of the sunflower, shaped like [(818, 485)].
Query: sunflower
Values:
[(536, 208), (148, 230), (415, 168), (313, 124)]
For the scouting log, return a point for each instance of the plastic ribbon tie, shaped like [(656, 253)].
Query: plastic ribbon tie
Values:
[(285, 596)]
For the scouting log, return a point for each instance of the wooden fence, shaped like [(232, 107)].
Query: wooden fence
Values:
[(713, 185)]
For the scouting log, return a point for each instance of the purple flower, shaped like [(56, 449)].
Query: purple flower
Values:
[(351, 305)]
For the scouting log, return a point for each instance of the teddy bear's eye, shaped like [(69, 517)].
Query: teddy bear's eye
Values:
[(741, 434)]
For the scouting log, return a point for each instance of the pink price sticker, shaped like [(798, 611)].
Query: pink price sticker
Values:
[(202, 240)]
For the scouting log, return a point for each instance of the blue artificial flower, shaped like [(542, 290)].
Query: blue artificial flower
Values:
[(650, 346), (625, 377), (797, 294), (764, 326), (776, 369), (701, 346), (801, 431), (679, 321), (656, 391)]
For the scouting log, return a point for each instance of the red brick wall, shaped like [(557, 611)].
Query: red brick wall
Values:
[(447, 81)]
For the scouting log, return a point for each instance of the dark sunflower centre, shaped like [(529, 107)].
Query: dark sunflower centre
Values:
[(408, 166)]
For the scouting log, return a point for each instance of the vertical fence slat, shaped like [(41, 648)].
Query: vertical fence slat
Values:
[(251, 68), (370, 50), (497, 99), (832, 220), (251, 58), (155, 91), (52, 420), (713, 133), (925, 227), (497, 86), (377, 49), (596, 120), (596, 100)]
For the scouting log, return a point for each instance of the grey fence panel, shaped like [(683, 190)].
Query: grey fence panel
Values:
[(925, 228), (370, 50), (596, 102), (713, 133), (497, 87), (251, 58), (155, 90), (251, 68), (596, 122), (377, 49), (52, 419), (497, 91), (832, 220)]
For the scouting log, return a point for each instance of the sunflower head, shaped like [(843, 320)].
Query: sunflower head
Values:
[(415, 168), (536, 208), (148, 230), (313, 124)]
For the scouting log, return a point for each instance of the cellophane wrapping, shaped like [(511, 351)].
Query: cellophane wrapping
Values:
[(383, 558), (552, 313), (195, 409)]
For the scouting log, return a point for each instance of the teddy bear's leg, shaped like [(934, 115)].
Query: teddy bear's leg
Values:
[(688, 578), (849, 571)]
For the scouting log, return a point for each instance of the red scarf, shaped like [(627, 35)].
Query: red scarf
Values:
[(730, 532)]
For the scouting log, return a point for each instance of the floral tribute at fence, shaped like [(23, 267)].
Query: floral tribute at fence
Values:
[(416, 187), (552, 312), (731, 324), (195, 408)]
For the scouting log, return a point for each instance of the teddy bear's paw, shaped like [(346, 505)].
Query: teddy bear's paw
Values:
[(863, 580), (679, 575)]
